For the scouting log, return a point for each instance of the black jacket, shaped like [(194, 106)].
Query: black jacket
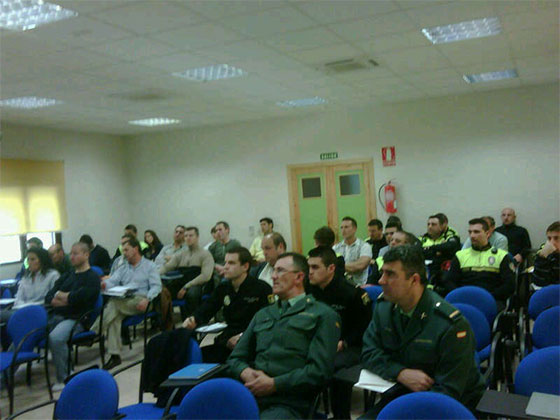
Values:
[(84, 289)]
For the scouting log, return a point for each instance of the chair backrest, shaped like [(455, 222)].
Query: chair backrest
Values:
[(92, 394), (195, 352), (373, 293), (25, 320), (538, 372), (477, 297), (221, 398), (546, 330), (7, 294), (90, 319), (478, 322), (97, 270), (425, 405), (542, 299)]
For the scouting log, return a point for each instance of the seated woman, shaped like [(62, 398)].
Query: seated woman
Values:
[(154, 244), (37, 280)]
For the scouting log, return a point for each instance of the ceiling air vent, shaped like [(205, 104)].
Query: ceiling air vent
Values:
[(349, 64)]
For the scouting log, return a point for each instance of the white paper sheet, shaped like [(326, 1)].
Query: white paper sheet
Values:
[(372, 382), (215, 327)]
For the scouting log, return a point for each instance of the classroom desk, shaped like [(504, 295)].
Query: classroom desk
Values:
[(504, 404)]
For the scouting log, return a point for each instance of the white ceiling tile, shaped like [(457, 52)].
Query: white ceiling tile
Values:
[(477, 50), (526, 66), (90, 6), (244, 50), (447, 13), (222, 9), (302, 40), (414, 4), (366, 75), (531, 43), (270, 22), (176, 62), (367, 29), (80, 31), (499, 84), (432, 77), (132, 49), (322, 55), (414, 59), (395, 42), (144, 17), (507, 7), (489, 66), (31, 45), (339, 10), (194, 37), (528, 20)]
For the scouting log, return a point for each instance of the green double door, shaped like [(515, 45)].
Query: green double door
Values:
[(322, 194)]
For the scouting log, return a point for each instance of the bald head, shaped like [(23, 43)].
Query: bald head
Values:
[(508, 216), (56, 253), (79, 256)]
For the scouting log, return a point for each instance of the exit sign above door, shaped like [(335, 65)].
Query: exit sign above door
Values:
[(328, 156)]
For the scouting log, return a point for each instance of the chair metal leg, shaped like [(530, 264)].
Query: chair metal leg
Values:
[(47, 376), (28, 374), (11, 389), (76, 354)]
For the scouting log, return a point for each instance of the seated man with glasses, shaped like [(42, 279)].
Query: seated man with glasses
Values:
[(286, 354)]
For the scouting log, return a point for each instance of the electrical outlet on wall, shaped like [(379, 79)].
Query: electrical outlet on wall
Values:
[(251, 231)]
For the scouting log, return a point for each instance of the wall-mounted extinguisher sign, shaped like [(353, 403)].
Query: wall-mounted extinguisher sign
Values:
[(389, 156), (388, 197)]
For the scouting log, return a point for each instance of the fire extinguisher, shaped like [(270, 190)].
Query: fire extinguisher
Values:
[(389, 199)]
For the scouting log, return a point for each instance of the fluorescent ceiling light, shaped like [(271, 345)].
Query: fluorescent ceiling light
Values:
[(463, 30), (210, 73), (152, 122), (21, 15), (29, 102), (490, 76), (293, 103)]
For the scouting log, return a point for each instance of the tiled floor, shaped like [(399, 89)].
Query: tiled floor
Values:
[(128, 382)]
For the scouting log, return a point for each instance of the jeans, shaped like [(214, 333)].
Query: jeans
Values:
[(60, 329)]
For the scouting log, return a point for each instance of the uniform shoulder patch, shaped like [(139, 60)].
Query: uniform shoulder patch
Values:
[(271, 298), (447, 311), (365, 299)]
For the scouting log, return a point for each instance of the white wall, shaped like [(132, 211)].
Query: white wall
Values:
[(466, 156), (96, 181)]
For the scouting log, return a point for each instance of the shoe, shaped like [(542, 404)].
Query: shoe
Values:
[(113, 361), (59, 386)]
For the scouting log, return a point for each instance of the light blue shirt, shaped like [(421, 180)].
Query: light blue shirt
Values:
[(144, 278), (497, 240)]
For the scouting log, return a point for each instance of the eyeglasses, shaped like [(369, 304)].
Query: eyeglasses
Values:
[(281, 271)]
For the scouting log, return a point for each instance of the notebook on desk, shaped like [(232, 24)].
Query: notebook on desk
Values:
[(544, 405), (194, 371)]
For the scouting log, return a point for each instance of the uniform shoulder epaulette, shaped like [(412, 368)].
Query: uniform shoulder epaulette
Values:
[(447, 311), (380, 297)]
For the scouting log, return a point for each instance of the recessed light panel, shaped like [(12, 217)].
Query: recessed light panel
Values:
[(22, 15), (29, 102), (470, 29), (490, 76), (210, 73), (294, 103), (152, 122)]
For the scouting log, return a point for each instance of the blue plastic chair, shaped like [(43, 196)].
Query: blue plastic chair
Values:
[(91, 394), (149, 411), (546, 330), (134, 320), (478, 297), (373, 293), (87, 337), (538, 372), (425, 405), (27, 327), (542, 299), (97, 270), (220, 398), (480, 327)]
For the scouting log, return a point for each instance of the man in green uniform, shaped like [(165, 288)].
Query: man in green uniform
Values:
[(416, 338), (286, 355), (482, 265)]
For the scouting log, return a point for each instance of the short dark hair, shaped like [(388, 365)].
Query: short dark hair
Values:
[(350, 219), (376, 222), (213, 230), (479, 221), (134, 243), (192, 228), (555, 227), (394, 219), (267, 220), (324, 236), (181, 226), (36, 241), (86, 239), (43, 257), (132, 228), (410, 238), (490, 220), (226, 224), (299, 261), (411, 258), (277, 239), (127, 235), (326, 253), (243, 254), (440, 217), (393, 225)]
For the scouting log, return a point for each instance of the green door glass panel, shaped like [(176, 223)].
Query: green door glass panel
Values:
[(351, 198), (312, 207)]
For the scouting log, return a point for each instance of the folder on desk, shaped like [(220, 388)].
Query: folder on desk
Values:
[(194, 371), (120, 291), (544, 405)]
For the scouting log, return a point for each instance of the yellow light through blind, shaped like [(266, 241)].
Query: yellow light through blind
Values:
[(32, 196)]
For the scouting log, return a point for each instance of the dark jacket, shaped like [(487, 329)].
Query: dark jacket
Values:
[(84, 289), (518, 239)]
